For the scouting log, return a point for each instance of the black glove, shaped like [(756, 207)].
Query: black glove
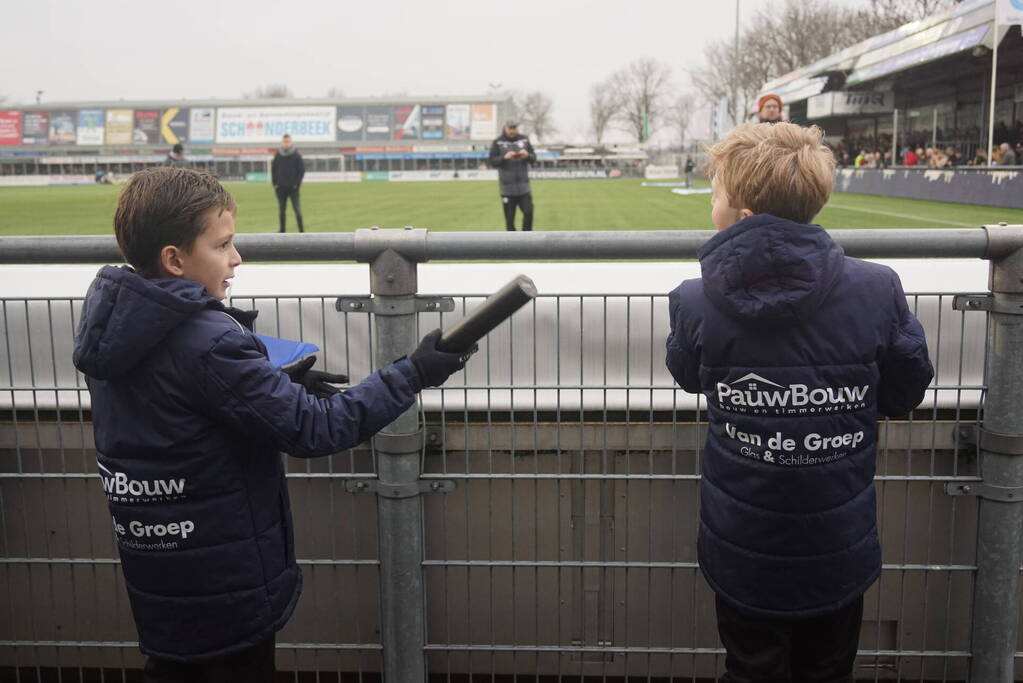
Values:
[(315, 381), (434, 367)]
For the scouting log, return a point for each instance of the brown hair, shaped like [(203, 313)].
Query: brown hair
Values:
[(163, 206), (781, 169)]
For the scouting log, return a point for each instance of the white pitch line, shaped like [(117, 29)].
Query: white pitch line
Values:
[(901, 215)]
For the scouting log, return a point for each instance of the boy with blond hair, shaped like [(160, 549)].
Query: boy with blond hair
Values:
[(797, 349)]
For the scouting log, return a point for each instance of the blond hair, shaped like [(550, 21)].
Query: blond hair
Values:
[(777, 168)]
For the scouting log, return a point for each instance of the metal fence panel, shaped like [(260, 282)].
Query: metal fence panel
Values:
[(568, 546)]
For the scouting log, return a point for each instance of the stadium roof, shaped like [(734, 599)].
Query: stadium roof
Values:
[(962, 27)]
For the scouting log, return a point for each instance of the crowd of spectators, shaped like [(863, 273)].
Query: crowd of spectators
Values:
[(916, 149)]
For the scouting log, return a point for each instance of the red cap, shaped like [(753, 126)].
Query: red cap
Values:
[(769, 96)]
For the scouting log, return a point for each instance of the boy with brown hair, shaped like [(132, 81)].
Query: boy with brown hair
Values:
[(797, 349), (190, 419)]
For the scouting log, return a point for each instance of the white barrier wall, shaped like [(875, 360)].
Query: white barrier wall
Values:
[(42, 180), (331, 177), (594, 325), (418, 176), (661, 172)]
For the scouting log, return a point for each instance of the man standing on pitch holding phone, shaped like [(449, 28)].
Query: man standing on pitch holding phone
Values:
[(511, 155), (286, 173)]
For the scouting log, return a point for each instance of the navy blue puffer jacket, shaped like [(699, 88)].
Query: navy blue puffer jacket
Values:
[(797, 349), (190, 420)]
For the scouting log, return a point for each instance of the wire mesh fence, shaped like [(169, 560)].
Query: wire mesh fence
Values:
[(567, 548)]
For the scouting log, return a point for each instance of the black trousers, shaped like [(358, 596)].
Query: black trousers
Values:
[(283, 193), (522, 201), (255, 665), (818, 650)]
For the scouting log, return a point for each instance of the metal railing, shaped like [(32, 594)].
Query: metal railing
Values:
[(554, 530)]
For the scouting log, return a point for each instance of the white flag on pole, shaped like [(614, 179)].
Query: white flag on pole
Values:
[(1009, 12)]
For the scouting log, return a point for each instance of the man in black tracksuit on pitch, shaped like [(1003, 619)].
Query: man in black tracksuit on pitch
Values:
[(286, 174), (511, 155)]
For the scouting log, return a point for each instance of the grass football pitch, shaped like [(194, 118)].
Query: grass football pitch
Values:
[(601, 204)]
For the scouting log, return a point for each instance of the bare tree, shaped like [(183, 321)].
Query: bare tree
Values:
[(271, 91), (604, 106), (792, 35), (334, 93), (885, 15), (641, 87), (798, 32), (680, 116), (802, 31), (720, 77), (536, 113)]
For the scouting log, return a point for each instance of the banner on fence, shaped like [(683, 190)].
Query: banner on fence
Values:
[(433, 122), (119, 125), (478, 174), (90, 127), (269, 124), (406, 122), (202, 125), (332, 177), (851, 103), (43, 180), (10, 127), (421, 176), (174, 125), (147, 127), (458, 122), (569, 173), (984, 187), (378, 123), (484, 121), (351, 123), (35, 127), (660, 172), (62, 127)]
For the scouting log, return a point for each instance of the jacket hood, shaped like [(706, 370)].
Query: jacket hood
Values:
[(125, 316), (770, 269)]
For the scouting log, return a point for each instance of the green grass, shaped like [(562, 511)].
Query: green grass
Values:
[(621, 204)]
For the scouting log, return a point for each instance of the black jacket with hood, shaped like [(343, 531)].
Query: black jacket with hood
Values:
[(190, 419), (797, 349)]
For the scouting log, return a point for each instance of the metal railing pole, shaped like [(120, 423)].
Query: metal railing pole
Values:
[(505, 246), (393, 284), (1000, 522)]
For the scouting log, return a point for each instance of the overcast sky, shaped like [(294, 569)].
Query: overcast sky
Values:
[(114, 49)]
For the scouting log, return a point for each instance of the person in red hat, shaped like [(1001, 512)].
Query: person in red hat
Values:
[(769, 109)]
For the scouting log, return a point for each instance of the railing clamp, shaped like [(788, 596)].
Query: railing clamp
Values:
[(399, 490), (992, 442), (1004, 494), (395, 305), (986, 302)]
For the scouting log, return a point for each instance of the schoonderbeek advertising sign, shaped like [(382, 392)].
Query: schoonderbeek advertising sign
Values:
[(269, 124)]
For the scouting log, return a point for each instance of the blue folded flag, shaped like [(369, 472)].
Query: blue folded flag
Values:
[(284, 351)]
